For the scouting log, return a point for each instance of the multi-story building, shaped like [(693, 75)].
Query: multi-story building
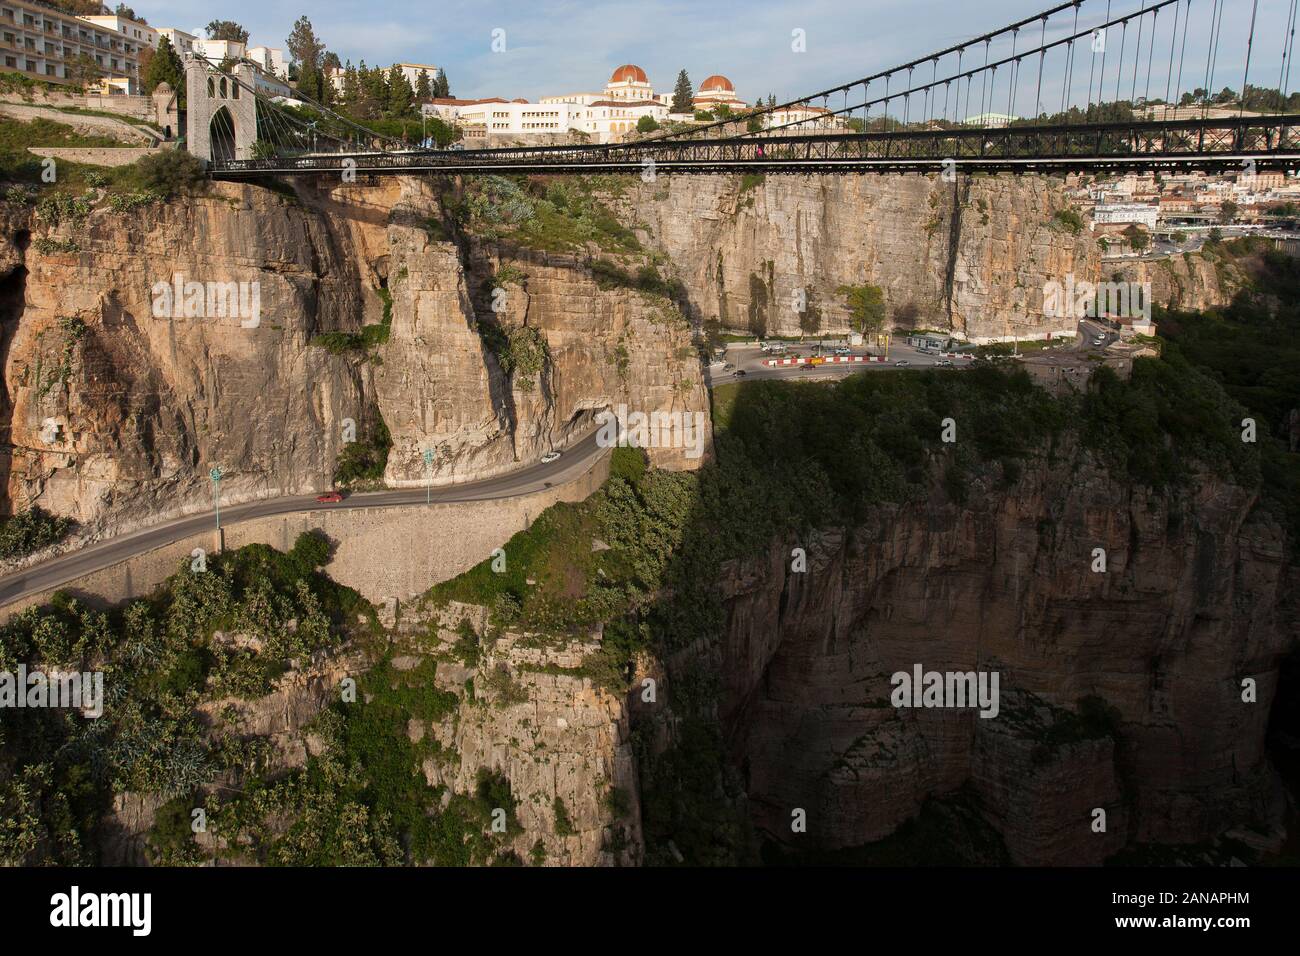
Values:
[(140, 33), (550, 120), (48, 44), (1112, 213), (181, 41), (802, 118)]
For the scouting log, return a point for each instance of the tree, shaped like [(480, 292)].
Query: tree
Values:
[(351, 89), (400, 94), (372, 96), (226, 30), (683, 95), (646, 124), (1138, 240), (440, 88), (1228, 211), (164, 67), (312, 84), (124, 11), (330, 62), (423, 87), (866, 305), (84, 70), (305, 47)]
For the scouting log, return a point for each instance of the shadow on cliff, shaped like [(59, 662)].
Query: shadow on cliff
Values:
[(13, 288), (796, 460)]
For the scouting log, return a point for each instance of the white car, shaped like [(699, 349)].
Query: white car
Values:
[(550, 456), (902, 362), (843, 350)]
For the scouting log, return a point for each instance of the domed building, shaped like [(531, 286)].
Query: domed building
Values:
[(629, 82), (717, 90), (615, 111)]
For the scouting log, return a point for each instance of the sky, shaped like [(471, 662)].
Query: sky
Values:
[(565, 46)]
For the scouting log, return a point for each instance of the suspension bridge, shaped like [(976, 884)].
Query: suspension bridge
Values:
[(1105, 85)]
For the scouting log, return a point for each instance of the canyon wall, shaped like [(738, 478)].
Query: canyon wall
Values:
[(1193, 282), (970, 256), (114, 416), (1196, 597)]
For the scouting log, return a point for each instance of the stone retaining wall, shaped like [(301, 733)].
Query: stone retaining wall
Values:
[(383, 552)]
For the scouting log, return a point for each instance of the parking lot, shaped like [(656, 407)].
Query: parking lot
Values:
[(746, 361)]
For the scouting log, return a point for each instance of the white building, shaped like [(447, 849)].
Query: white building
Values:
[(802, 118), (47, 43), (139, 33), (181, 41), (617, 109), (552, 119), (1141, 213), (270, 60), (412, 72)]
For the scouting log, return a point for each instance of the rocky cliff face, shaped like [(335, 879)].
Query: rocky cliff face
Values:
[(971, 256), (1195, 598), (114, 414), (562, 742), (1190, 283), (522, 710)]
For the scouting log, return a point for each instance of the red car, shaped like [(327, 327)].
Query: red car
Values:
[(329, 498)]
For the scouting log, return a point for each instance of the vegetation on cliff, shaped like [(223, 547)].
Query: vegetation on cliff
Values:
[(160, 659), (30, 530), (796, 457), (1250, 349)]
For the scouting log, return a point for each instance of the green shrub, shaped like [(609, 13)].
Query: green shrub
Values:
[(30, 531), (1069, 220), (169, 172)]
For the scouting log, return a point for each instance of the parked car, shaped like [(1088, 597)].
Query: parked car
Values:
[(843, 350), (550, 456), (330, 498), (728, 367)]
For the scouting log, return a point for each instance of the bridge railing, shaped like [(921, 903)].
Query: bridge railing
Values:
[(1269, 140)]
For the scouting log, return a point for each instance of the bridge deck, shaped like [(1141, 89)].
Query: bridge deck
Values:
[(1270, 142)]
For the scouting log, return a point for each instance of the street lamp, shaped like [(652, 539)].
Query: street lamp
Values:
[(428, 475), (215, 475)]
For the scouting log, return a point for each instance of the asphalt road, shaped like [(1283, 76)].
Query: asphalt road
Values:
[(95, 557), (574, 461)]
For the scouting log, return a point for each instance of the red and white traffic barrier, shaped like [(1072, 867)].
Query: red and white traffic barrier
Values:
[(827, 360)]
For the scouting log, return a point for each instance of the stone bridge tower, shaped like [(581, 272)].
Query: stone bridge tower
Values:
[(221, 115)]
